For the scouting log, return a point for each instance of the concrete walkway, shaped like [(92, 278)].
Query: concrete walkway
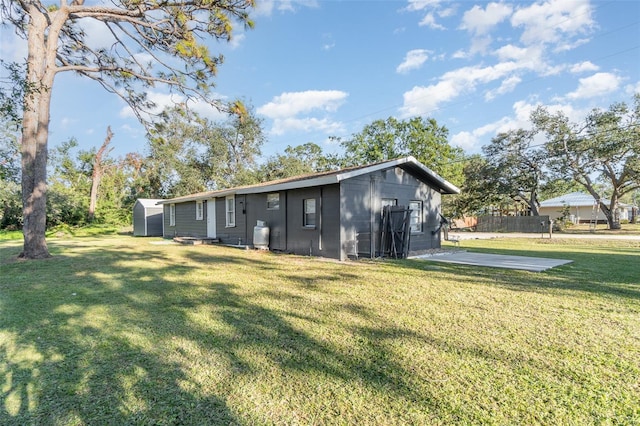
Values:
[(464, 235), (525, 263)]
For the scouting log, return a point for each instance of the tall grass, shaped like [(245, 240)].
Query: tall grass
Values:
[(122, 330)]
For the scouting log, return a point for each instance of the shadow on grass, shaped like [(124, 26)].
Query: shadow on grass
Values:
[(122, 335)]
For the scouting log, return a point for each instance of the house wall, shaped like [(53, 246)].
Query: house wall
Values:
[(324, 238), (138, 220), (239, 233), (361, 206), (276, 219), (186, 224), (581, 214)]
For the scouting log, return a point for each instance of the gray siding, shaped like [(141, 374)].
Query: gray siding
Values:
[(186, 224), (276, 219), (323, 239), (361, 207)]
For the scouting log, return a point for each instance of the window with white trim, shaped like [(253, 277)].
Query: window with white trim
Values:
[(273, 201), (309, 215), (416, 216), (172, 215), (230, 206), (199, 210)]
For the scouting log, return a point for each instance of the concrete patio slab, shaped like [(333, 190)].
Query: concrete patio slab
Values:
[(525, 263)]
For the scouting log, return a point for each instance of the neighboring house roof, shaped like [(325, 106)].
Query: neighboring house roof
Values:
[(148, 202), (409, 164), (574, 199)]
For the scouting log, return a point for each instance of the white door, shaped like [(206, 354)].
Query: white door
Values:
[(211, 218)]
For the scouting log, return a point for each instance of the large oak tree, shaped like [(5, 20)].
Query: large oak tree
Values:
[(154, 42), (604, 148)]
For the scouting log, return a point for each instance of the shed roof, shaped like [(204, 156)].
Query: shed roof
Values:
[(149, 202), (409, 164)]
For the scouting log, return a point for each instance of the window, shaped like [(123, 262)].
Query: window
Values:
[(387, 202), (231, 211), (273, 201), (199, 210), (172, 215), (309, 218), (416, 216)]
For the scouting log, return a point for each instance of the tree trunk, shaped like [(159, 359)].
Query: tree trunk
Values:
[(96, 176), (41, 69)]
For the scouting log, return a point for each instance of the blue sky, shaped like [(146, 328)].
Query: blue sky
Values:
[(315, 69)]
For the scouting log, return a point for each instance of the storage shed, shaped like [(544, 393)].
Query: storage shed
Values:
[(147, 218)]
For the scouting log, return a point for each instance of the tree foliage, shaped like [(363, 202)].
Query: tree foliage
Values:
[(516, 166), (296, 160), (604, 148), (420, 137), (189, 153), (152, 43)]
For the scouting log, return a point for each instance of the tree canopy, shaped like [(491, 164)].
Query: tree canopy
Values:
[(604, 148), (153, 43), (420, 137)]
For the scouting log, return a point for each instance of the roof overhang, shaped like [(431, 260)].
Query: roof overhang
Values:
[(409, 164)]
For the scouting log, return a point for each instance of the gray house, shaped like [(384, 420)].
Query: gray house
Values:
[(147, 218), (336, 214)]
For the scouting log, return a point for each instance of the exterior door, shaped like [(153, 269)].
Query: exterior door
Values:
[(211, 218)]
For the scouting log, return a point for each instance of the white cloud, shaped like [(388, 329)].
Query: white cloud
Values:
[(292, 103), (413, 60), (632, 89), (480, 21), (161, 100), (307, 124), (167, 100), (416, 5), (266, 7), (584, 67), (430, 21), (507, 86), (424, 100), (286, 109), (550, 21), (599, 84)]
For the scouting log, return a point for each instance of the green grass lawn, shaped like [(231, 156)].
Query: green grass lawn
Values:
[(122, 330)]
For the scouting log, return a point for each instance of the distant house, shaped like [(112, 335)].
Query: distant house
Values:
[(334, 214), (147, 218), (580, 208)]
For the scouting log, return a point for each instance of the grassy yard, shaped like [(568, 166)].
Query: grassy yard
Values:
[(123, 330)]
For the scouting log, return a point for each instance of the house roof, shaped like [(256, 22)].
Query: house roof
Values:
[(148, 202), (574, 199), (409, 164)]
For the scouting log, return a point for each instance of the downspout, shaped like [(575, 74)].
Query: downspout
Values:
[(372, 218), (320, 222)]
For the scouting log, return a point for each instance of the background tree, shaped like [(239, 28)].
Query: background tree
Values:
[(419, 137), (605, 148), (479, 190), (516, 166), (163, 31), (98, 172), (297, 160), (189, 153), (10, 197)]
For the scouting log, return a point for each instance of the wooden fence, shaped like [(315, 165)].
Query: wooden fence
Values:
[(528, 224)]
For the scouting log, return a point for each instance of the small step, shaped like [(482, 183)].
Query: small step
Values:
[(195, 241)]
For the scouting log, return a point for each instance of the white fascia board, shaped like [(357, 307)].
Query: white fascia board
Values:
[(305, 183)]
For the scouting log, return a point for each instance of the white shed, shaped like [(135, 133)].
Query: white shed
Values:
[(147, 218)]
